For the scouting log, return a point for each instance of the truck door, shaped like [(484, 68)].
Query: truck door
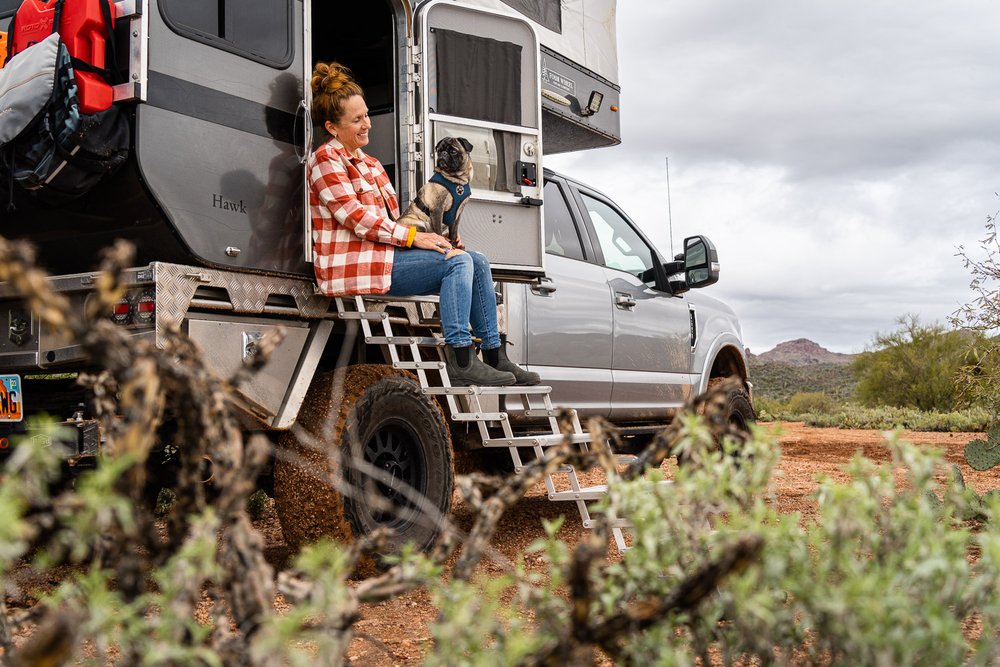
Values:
[(568, 320), (477, 76), (651, 352)]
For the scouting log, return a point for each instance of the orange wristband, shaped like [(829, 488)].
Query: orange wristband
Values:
[(410, 236)]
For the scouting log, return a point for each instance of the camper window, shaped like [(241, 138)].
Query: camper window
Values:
[(259, 30), (478, 77)]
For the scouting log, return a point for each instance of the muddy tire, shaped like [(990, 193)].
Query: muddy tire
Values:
[(732, 415), (371, 417)]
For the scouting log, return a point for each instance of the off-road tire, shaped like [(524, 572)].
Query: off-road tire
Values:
[(736, 412), (379, 415)]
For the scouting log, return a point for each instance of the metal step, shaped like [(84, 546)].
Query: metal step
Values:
[(479, 416), (419, 365), (425, 341), (541, 439), (512, 390), (585, 493)]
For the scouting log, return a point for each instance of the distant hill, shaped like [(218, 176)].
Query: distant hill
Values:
[(804, 352), (801, 366)]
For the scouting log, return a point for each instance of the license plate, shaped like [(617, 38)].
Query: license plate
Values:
[(11, 406)]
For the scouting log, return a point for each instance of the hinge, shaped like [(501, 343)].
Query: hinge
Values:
[(416, 142), (413, 77)]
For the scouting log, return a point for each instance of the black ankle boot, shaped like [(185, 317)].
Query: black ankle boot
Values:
[(465, 369), (497, 358)]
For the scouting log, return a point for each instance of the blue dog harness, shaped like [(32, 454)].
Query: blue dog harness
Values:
[(459, 193)]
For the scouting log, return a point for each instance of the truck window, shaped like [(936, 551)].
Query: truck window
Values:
[(622, 246), (259, 30), (561, 235)]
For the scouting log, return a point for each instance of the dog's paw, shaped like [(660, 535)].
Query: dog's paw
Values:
[(453, 252)]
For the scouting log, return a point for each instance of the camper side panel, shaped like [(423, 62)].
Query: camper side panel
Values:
[(216, 140)]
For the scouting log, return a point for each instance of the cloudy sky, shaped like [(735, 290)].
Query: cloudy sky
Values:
[(836, 153)]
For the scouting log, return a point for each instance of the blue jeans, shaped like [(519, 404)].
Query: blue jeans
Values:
[(464, 284)]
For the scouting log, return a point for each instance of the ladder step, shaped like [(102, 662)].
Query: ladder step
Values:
[(479, 416), (426, 341), (372, 317), (585, 493), (544, 440), (488, 391), (419, 365)]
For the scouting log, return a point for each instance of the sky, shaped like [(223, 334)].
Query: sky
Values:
[(836, 153)]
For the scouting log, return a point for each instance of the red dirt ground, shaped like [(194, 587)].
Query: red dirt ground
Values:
[(396, 632)]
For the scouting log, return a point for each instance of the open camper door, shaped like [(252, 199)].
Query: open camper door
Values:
[(477, 77)]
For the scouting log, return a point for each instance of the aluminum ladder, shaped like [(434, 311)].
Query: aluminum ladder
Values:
[(465, 404)]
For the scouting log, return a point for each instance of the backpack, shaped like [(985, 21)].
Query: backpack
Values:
[(47, 146)]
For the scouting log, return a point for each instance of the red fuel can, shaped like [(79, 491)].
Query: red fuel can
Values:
[(85, 31)]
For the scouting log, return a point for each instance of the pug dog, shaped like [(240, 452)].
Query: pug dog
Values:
[(439, 202)]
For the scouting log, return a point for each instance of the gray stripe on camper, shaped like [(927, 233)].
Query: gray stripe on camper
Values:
[(239, 113)]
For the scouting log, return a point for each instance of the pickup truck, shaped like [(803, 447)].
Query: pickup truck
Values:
[(611, 327)]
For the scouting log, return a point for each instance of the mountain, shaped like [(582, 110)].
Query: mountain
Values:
[(801, 366), (803, 352)]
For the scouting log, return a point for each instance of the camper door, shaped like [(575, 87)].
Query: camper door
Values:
[(477, 78)]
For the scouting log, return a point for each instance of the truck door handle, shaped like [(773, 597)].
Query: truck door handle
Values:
[(545, 287), (624, 300)]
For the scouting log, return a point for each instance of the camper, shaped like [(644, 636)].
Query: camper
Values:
[(214, 197)]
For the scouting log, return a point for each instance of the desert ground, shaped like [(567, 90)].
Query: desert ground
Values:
[(396, 632)]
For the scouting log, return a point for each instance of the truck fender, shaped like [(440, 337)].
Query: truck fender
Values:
[(725, 357)]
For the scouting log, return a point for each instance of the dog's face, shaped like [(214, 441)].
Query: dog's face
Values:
[(453, 156)]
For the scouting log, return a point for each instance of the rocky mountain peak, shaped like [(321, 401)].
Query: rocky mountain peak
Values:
[(803, 352)]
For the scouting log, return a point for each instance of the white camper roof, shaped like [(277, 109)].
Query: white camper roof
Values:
[(586, 29)]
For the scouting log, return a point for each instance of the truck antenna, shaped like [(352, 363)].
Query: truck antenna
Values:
[(670, 218)]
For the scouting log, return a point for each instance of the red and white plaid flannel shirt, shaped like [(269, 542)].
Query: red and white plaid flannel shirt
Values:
[(353, 206)]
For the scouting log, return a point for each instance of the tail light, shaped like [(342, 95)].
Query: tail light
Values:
[(145, 308), (135, 308), (122, 312)]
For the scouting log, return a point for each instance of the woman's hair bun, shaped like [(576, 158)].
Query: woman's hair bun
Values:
[(330, 78), (332, 84)]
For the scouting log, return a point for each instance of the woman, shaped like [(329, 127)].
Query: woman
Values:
[(359, 249)]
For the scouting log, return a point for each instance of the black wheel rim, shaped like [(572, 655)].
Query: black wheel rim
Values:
[(394, 449)]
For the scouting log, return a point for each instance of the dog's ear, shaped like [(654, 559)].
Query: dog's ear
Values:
[(466, 144)]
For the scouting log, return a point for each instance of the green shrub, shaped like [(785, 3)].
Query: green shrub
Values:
[(913, 366), (973, 420), (881, 577), (810, 403), (766, 408)]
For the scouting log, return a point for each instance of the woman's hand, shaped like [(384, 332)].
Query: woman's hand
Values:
[(432, 241)]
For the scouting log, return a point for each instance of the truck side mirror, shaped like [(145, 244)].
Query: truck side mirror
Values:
[(701, 262)]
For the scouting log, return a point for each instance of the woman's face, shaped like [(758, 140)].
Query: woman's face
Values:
[(352, 128)]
